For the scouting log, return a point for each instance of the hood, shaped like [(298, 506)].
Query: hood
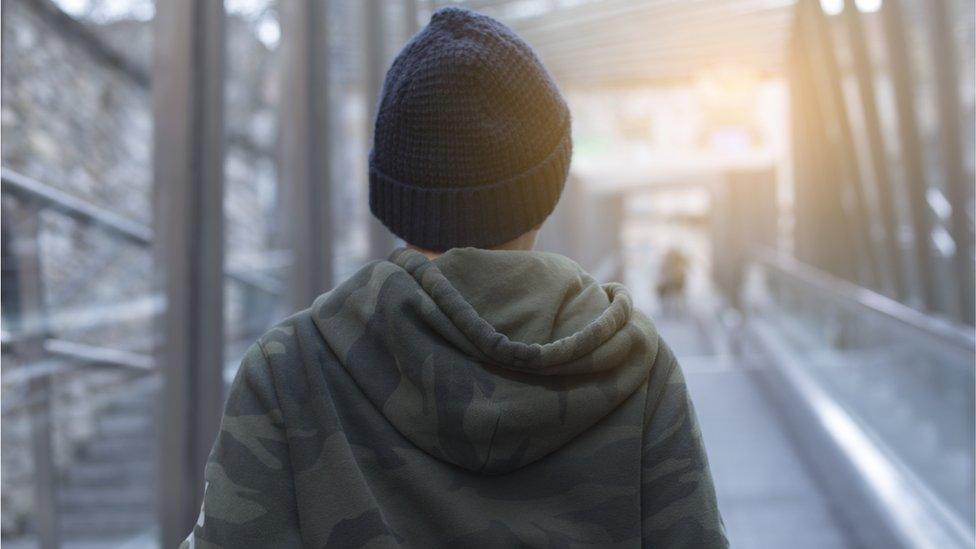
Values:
[(489, 360)]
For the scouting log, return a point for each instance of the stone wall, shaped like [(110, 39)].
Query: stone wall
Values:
[(76, 119), (76, 116)]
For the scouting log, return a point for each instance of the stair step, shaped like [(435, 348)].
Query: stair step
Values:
[(117, 450), (109, 473), (125, 425), (105, 525), (104, 499), (130, 406)]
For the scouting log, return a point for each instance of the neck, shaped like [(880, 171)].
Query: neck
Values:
[(525, 242)]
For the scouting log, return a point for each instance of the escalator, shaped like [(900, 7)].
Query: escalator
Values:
[(833, 417)]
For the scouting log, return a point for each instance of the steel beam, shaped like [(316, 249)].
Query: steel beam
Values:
[(410, 23), (568, 22), (832, 97), (725, 37), (188, 158), (305, 149), (684, 62), (687, 23), (911, 148), (958, 184), (828, 225), (879, 163), (381, 240), (804, 242)]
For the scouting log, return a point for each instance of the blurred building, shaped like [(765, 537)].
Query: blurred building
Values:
[(177, 177)]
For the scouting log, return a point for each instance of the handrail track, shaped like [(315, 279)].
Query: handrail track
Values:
[(941, 330)]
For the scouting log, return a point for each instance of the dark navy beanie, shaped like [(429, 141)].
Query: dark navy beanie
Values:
[(472, 139)]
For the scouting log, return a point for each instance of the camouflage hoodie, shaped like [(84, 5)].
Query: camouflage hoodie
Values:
[(480, 399)]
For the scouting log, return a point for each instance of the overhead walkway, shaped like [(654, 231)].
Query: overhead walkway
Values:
[(768, 495)]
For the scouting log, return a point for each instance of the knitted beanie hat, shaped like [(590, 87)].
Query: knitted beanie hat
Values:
[(472, 139)]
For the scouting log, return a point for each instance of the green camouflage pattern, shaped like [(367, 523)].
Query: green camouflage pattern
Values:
[(480, 399)]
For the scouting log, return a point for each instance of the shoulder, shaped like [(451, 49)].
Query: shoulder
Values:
[(280, 352), (282, 338), (665, 380), (665, 362)]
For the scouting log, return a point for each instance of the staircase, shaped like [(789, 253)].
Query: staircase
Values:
[(108, 494)]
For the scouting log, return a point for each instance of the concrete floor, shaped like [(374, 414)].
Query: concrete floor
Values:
[(767, 497)]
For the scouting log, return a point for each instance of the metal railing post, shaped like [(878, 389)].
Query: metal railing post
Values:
[(827, 72), (381, 240), (305, 151), (958, 183), (188, 164), (899, 62), (23, 226), (883, 183)]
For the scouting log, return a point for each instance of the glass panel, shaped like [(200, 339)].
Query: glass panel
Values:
[(927, 114), (964, 32), (254, 249), (854, 111), (884, 90), (908, 387)]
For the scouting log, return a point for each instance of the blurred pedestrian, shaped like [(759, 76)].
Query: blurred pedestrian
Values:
[(671, 282)]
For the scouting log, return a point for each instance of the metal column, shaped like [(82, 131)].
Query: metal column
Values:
[(305, 149), (828, 74), (879, 164), (381, 240), (21, 243), (188, 157), (911, 149), (803, 245), (410, 24), (831, 232), (957, 183)]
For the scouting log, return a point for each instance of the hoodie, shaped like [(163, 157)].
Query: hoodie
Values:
[(480, 399)]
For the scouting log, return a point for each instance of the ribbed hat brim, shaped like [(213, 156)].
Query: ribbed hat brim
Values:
[(443, 218)]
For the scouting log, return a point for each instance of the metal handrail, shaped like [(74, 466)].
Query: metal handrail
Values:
[(25, 187), (51, 197), (41, 195), (958, 336)]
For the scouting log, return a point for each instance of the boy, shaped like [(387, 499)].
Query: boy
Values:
[(467, 391)]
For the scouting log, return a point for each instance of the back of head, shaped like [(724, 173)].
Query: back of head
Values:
[(472, 141)]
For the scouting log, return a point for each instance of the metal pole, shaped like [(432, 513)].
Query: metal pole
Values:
[(805, 199), (829, 224), (957, 183), (305, 149), (188, 154), (20, 237), (410, 23), (42, 454), (879, 164), (911, 148), (381, 241), (829, 75)]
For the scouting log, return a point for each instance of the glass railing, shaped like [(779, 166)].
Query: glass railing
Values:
[(80, 380), (906, 378)]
